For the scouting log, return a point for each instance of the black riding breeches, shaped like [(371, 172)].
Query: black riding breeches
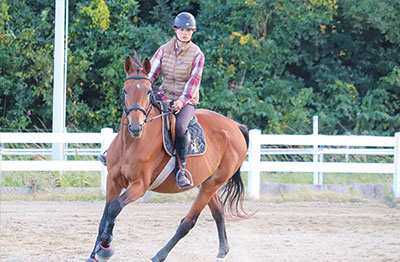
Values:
[(183, 118)]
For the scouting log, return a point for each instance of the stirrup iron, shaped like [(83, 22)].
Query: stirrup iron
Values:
[(188, 175)]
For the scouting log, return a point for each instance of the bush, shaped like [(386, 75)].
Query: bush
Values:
[(270, 65)]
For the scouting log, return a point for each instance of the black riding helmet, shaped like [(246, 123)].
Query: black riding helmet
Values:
[(185, 20)]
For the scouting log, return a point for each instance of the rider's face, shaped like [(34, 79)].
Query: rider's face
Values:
[(184, 34)]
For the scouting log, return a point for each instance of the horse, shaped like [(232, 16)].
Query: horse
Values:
[(136, 157)]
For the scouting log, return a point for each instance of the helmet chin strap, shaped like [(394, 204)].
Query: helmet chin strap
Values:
[(185, 42)]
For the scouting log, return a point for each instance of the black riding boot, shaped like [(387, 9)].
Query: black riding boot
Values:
[(182, 146), (102, 158)]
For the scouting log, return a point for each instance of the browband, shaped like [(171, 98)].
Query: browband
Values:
[(137, 77)]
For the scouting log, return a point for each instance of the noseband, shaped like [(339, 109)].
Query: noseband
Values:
[(135, 107)]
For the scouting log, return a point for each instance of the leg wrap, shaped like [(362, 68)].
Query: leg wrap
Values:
[(113, 210)]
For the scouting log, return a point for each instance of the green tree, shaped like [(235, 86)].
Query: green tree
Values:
[(269, 64)]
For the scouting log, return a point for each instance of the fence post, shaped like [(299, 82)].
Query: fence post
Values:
[(254, 164), (107, 139), (1, 158), (396, 178), (317, 176)]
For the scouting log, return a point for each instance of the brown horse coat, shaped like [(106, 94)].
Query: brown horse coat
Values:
[(136, 157)]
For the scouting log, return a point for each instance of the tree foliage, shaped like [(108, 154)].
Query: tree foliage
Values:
[(269, 64)]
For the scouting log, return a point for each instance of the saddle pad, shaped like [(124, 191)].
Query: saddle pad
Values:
[(197, 140)]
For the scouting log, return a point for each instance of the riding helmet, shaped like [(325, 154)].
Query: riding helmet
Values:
[(185, 20)]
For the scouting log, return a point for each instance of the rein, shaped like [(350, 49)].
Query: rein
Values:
[(137, 107)]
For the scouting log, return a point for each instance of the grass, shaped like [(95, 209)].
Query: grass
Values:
[(329, 178), (44, 185), (40, 180)]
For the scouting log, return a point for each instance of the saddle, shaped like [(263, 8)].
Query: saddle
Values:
[(197, 145)]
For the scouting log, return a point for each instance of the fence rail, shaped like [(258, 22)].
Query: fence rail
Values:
[(316, 145), (103, 140)]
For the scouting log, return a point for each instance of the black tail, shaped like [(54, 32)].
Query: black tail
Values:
[(232, 193), (245, 132)]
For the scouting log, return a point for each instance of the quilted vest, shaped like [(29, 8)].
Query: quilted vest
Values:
[(176, 70)]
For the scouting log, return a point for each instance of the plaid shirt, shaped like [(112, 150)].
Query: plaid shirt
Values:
[(192, 86)]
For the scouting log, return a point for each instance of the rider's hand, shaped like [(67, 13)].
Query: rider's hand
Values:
[(178, 104)]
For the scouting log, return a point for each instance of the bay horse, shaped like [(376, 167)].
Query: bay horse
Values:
[(136, 157)]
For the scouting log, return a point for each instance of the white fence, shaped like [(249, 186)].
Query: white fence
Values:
[(104, 139), (314, 144), (318, 145)]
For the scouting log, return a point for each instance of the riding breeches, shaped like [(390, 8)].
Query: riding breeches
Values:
[(183, 118)]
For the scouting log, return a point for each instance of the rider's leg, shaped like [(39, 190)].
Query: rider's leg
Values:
[(182, 142), (102, 157)]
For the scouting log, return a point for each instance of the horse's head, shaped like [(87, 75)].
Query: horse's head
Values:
[(136, 94)]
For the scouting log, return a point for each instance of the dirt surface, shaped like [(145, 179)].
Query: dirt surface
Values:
[(65, 231)]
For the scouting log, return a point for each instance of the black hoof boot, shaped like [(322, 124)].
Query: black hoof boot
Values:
[(161, 256), (103, 254)]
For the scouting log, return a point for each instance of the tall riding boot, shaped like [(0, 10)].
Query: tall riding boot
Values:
[(182, 145), (102, 158)]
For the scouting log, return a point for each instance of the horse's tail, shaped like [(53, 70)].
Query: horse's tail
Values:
[(245, 132), (232, 193)]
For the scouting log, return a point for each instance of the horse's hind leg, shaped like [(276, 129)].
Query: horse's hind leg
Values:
[(207, 190), (217, 211)]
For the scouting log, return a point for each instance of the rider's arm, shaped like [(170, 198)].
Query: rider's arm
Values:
[(156, 62), (193, 85)]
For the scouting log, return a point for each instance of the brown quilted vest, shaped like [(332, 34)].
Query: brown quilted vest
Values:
[(176, 70)]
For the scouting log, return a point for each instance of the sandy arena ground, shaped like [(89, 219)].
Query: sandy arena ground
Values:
[(65, 231)]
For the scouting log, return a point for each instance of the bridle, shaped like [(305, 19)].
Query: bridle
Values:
[(137, 107)]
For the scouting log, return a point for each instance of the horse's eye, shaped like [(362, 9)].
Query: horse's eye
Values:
[(125, 92), (149, 92)]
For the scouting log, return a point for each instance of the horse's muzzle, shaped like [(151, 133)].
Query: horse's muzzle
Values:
[(135, 129)]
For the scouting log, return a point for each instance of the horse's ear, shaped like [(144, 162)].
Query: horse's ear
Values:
[(128, 64), (146, 66)]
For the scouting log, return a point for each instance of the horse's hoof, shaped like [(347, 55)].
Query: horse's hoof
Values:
[(91, 260), (103, 254)]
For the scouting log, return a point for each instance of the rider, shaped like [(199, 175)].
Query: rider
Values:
[(181, 64)]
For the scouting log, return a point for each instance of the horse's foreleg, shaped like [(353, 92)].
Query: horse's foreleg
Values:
[(114, 209), (101, 229), (103, 250), (207, 189), (111, 194), (217, 211)]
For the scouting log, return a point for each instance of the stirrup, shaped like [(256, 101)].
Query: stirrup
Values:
[(187, 174)]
